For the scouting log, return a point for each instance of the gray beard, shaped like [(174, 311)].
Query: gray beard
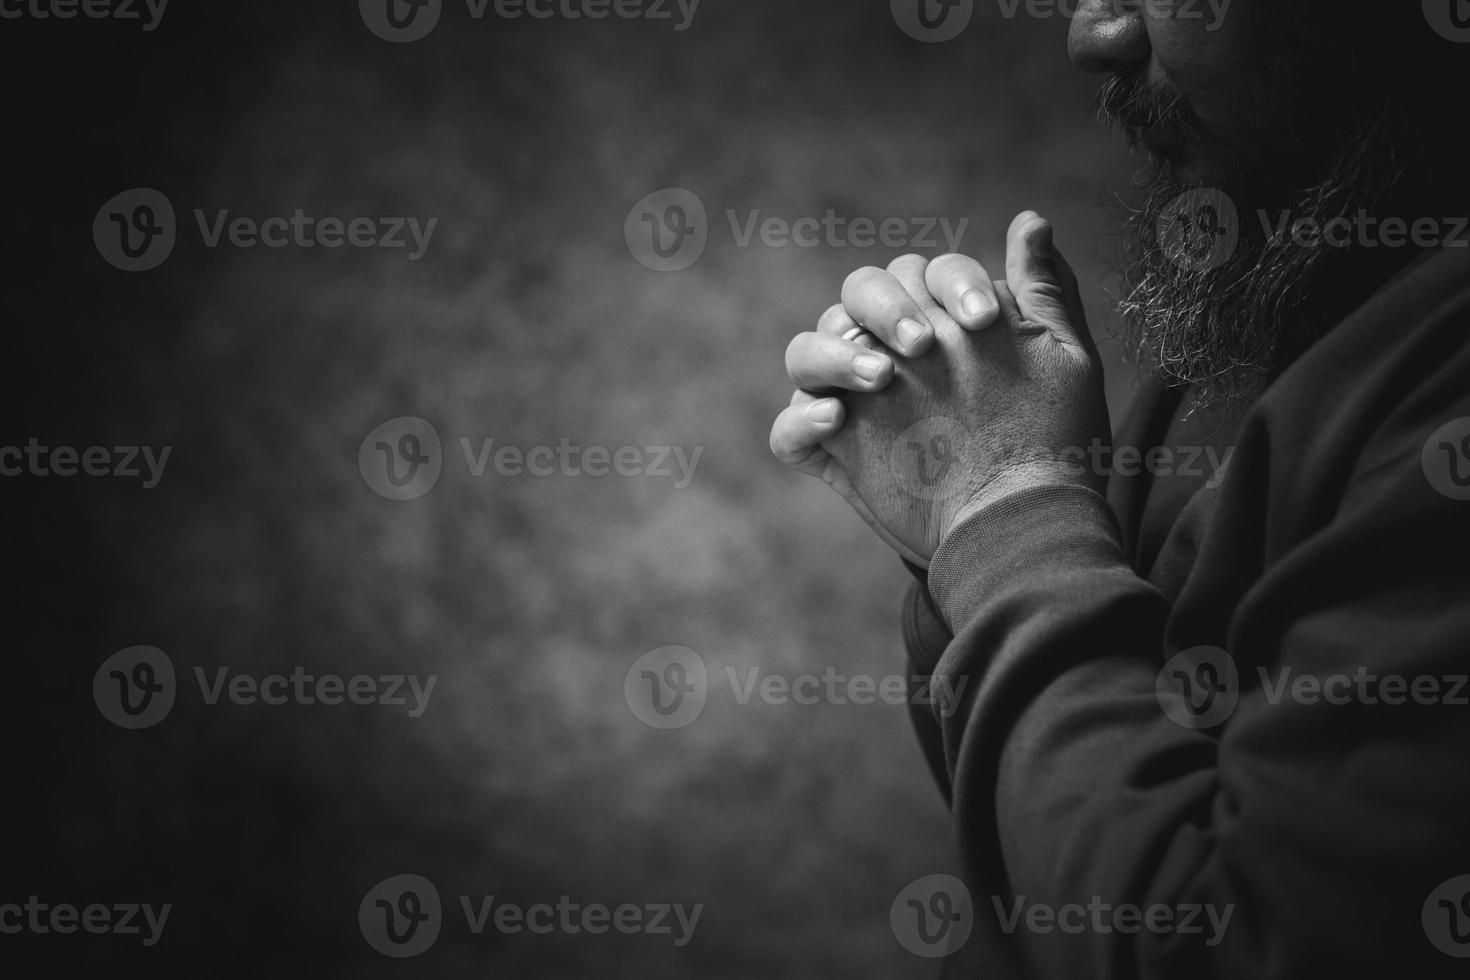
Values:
[(1224, 331)]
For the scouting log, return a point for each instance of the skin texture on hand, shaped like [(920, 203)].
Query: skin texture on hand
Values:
[(979, 416), (990, 408)]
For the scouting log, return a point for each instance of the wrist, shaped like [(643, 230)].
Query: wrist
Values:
[(1028, 539), (1014, 480)]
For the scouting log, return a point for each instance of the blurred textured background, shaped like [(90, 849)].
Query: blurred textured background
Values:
[(528, 321)]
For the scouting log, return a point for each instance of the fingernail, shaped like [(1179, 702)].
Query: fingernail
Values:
[(974, 304), (868, 366), (910, 332), (822, 411)]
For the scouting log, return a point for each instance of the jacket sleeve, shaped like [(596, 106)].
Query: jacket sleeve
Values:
[(1320, 828), (925, 639)]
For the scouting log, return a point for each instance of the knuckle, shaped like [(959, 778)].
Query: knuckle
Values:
[(1046, 291), (889, 309), (781, 436), (906, 261), (947, 263), (860, 278), (1027, 217), (797, 352)]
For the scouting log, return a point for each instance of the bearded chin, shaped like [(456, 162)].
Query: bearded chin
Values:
[(1224, 327)]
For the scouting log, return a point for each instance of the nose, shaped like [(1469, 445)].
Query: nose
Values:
[(1108, 36)]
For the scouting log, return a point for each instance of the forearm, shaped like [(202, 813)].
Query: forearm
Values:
[(1072, 788)]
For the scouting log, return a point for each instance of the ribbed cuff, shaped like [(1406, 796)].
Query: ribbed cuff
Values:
[(1030, 532)]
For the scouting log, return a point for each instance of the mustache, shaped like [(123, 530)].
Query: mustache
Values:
[(1135, 106), (1224, 330)]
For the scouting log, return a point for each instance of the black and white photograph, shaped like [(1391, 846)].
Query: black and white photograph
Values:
[(736, 489)]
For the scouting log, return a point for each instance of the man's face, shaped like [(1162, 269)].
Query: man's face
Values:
[(1250, 109), (1228, 98)]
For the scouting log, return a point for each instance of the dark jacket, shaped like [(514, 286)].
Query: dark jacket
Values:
[(1335, 547)]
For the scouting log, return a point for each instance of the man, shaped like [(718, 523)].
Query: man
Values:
[(1216, 720)]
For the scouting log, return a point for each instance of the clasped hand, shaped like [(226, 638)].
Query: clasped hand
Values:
[(957, 391)]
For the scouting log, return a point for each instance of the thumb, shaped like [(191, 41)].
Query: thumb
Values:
[(1043, 283)]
